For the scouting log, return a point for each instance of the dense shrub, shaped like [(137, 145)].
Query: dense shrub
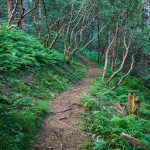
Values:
[(30, 76), (105, 124), (92, 55), (20, 51)]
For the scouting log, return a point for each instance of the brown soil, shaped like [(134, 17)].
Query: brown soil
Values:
[(61, 130)]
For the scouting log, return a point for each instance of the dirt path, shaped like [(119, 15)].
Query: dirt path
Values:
[(60, 130)]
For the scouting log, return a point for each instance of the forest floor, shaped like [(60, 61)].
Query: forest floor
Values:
[(61, 129)]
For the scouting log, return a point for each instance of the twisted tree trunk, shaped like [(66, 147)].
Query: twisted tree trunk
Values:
[(108, 50)]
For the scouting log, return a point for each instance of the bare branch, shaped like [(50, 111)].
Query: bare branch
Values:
[(47, 26), (108, 49), (123, 61), (35, 5), (131, 140), (12, 15), (131, 67), (65, 25)]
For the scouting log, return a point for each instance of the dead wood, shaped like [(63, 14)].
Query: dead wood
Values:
[(133, 104), (64, 110), (131, 140), (120, 109), (65, 117)]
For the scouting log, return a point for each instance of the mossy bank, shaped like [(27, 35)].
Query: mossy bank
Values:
[(30, 76)]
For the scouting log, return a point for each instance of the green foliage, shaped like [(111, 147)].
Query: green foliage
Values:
[(92, 55), (20, 126), (30, 76), (24, 101), (21, 51), (105, 124)]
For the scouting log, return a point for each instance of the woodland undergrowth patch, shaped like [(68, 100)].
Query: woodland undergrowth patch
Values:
[(30, 76), (105, 124), (91, 55)]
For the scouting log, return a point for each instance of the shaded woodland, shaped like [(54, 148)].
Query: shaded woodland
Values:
[(41, 44)]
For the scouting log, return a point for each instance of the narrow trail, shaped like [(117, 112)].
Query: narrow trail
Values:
[(60, 130)]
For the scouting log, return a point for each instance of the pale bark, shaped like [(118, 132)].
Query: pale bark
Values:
[(98, 41), (88, 42), (9, 5), (23, 14), (131, 140), (131, 67), (108, 50), (12, 7), (63, 26), (123, 61), (76, 32), (113, 58)]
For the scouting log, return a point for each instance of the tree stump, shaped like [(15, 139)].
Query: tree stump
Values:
[(133, 104)]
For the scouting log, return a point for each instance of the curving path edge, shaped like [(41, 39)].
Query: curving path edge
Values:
[(60, 130)]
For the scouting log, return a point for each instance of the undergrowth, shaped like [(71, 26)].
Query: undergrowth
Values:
[(91, 55), (30, 76), (105, 124), (20, 51)]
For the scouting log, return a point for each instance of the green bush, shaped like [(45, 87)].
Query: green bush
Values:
[(92, 55), (30, 76), (24, 101), (105, 124), (20, 51)]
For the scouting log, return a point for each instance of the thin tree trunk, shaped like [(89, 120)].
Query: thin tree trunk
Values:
[(40, 9), (47, 25), (114, 54), (123, 55), (9, 4), (98, 40), (123, 61), (113, 59), (131, 140), (131, 67), (24, 20), (108, 50)]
